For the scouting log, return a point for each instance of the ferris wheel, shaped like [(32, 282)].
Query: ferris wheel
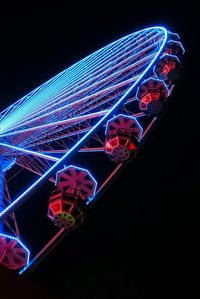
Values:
[(76, 132)]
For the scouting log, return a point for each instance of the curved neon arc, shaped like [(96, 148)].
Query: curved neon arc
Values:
[(77, 146)]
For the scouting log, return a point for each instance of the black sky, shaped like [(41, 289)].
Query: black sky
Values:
[(140, 240)]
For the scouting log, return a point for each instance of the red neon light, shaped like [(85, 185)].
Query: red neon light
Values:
[(108, 146), (56, 207), (155, 95), (146, 99), (150, 96), (114, 142), (168, 67), (132, 146)]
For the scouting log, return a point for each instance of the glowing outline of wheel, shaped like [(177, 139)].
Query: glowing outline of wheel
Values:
[(101, 122)]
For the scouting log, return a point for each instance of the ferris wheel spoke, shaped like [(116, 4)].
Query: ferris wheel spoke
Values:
[(82, 150), (19, 150)]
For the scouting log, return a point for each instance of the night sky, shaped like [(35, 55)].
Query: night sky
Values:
[(140, 241)]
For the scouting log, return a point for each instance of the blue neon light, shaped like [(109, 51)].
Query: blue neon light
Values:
[(29, 152), (177, 43), (170, 56)]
